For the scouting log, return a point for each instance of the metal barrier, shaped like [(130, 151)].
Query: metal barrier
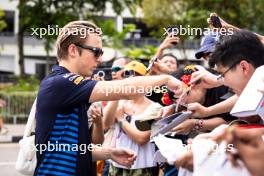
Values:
[(18, 104)]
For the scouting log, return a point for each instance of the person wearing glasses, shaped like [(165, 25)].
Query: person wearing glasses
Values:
[(108, 119), (126, 133), (117, 74), (236, 57), (195, 97), (208, 79), (118, 67), (204, 97), (63, 96), (227, 100), (204, 52)]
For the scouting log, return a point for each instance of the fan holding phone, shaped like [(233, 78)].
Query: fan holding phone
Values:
[(170, 41)]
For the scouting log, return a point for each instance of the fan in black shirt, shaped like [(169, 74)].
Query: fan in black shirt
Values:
[(206, 98)]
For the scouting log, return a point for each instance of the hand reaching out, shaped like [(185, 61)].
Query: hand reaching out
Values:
[(95, 112), (204, 78), (185, 127), (123, 157), (198, 110), (176, 86)]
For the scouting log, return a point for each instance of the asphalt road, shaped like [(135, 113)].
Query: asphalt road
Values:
[(8, 155)]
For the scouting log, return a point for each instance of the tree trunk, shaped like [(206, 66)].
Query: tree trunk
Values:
[(20, 42)]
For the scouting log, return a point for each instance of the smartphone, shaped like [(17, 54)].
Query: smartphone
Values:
[(216, 21), (174, 31)]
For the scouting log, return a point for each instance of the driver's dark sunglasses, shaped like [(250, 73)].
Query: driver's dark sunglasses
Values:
[(97, 51)]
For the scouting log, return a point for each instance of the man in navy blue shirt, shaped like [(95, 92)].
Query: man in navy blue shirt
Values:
[(64, 97)]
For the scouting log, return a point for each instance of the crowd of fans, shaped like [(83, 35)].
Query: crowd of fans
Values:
[(211, 93)]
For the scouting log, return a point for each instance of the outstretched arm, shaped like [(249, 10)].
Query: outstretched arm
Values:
[(131, 88), (230, 26)]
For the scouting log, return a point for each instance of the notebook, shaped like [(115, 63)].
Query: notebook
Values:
[(167, 124)]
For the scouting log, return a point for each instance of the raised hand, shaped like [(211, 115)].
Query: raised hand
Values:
[(204, 78)]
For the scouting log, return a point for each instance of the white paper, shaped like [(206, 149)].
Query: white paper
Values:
[(184, 172), (216, 163), (170, 148)]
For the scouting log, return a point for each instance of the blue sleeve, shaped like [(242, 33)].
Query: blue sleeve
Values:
[(72, 89)]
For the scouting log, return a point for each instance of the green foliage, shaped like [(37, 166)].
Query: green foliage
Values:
[(161, 13), (242, 13), (144, 52), (30, 84), (2, 22), (111, 37), (41, 14), (119, 5)]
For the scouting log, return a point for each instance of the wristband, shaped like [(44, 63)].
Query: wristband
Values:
[(201, 124), (198, 125)]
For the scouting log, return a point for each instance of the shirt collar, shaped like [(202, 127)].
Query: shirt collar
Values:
[(57, 68)]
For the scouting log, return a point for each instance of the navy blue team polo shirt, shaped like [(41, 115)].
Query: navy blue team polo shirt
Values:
[(61, 119)]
